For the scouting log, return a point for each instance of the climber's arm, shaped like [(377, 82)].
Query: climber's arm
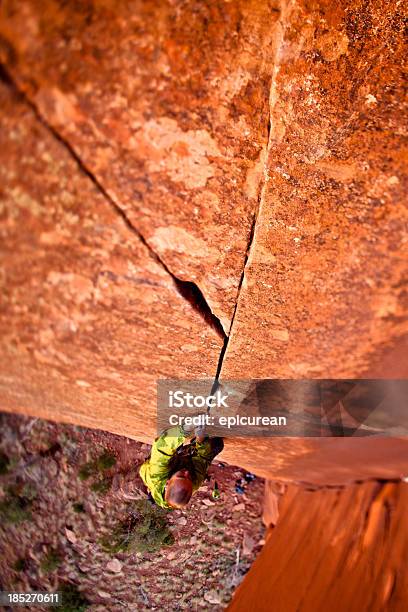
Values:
[(204, 449), (202, 459)]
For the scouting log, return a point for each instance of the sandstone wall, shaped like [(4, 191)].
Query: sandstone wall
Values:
[(166, 104), (174, 172), (90, 319), (333, 549), (324, 292)]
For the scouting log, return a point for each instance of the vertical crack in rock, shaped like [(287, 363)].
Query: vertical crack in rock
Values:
[(247, 254), (186, 289), (6, 79), (261, 190), (241, 280)]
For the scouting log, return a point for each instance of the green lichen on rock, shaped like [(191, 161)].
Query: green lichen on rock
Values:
[(4, 464), (72, 599), (104, 462), (15, 508), (51, 561), (145, 529)]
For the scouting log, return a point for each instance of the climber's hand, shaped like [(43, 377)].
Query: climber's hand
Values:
[(188, 430), (200, 434)]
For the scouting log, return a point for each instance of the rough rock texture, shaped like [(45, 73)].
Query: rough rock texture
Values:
[(89, 319), (324, 293), (158, 164), (166, 103), (335, 549), (202, 562), (166, 106), (273, 496), (326, 461)]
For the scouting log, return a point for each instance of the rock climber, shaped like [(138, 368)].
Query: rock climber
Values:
[(174, 471)]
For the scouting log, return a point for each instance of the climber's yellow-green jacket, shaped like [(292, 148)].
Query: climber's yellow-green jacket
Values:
[(155, 471)]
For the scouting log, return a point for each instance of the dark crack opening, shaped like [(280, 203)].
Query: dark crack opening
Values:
[(7, 80), (241, 280), (191, 292)]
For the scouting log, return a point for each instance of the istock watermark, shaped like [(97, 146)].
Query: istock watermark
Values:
[(180, 399), (295, 408)]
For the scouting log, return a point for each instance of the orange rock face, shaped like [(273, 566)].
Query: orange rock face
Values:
[(166, 104), (326, 461), (140, 168), (338, 549), (324, 292), (89, 318), (325, 286)]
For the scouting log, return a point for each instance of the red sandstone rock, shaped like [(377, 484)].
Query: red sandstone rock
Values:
[(89, 318), (324, 293), (167, 105), (274, 494), (335, 549), (326, 461)]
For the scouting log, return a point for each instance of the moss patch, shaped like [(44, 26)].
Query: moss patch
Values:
[(15, 507), (85, 471), (72, 599), (51, 561), (4, 464), (20, 565), (96, 468), (105, 461), (78, 507), (145, 529), (101, 486)]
